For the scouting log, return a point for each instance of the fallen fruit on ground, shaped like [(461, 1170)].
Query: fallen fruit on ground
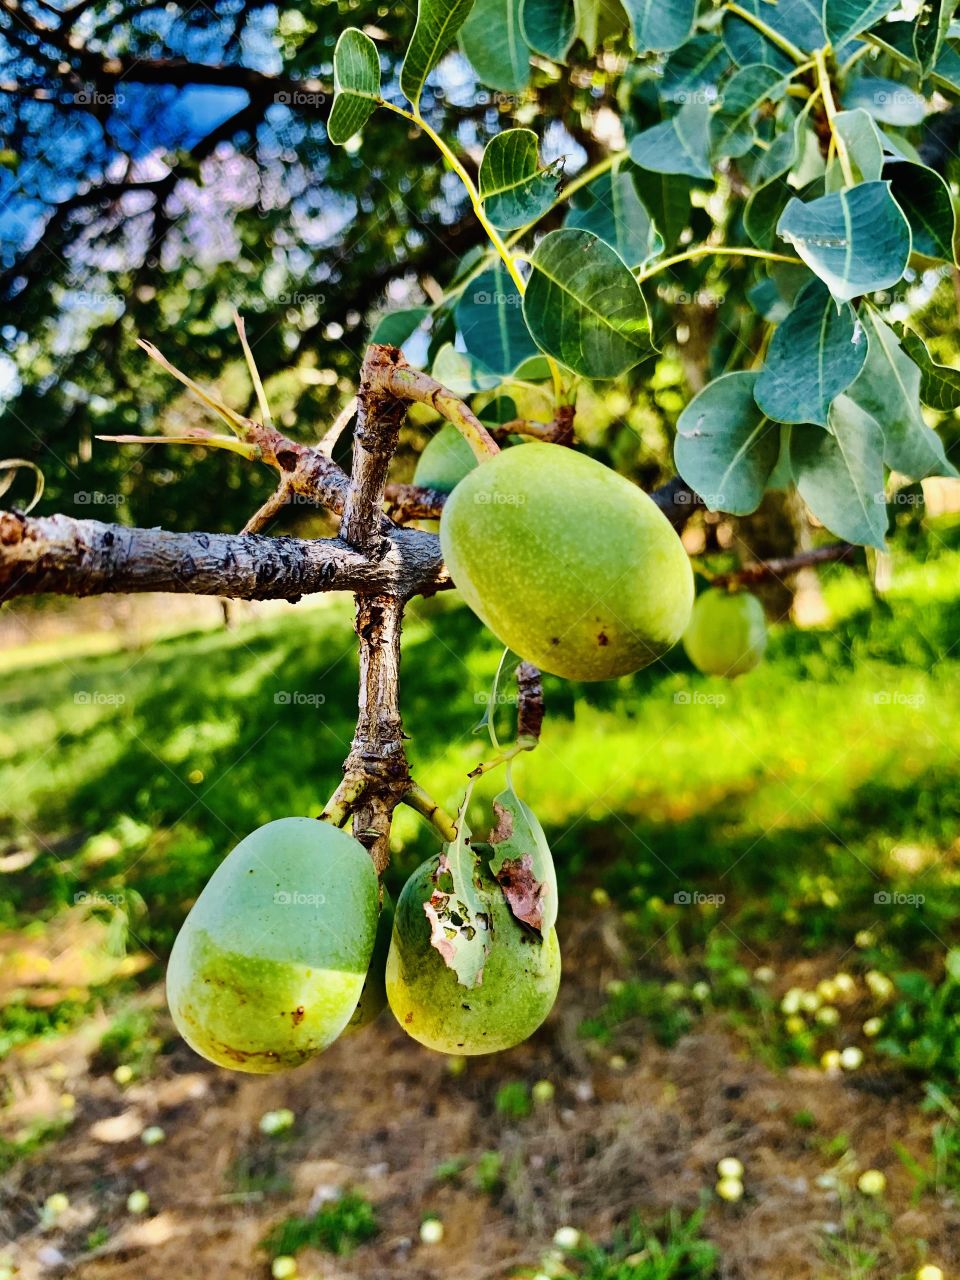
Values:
[(270, 963), (373, 997), (727, 634), (518, 985), (569, 564)]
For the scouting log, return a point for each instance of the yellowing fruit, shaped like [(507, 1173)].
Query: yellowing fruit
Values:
[(269, 965), (569, 564), (521, 976)]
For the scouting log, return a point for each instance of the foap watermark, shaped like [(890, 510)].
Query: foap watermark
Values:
[(500, 499), (487, 699), (484, 299), (895, 698), (93, 98), (696, 698), (891, 898), (300, 98), (86, 898), (283, 898), (96, 498), (301, 299), (704, 95), (298, 698), (694, 898), (98, 698)]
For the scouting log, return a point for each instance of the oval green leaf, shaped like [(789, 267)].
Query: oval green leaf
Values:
[(490, 317), (726, 447), (679, 145), (492, 41), (356, 85), (839, 473), (584, 307), (438, 22), (856, 241), (514, 188), (814, 355)]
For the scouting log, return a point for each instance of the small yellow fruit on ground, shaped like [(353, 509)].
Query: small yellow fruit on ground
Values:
[(729, 1167), (729, 1189), (872, 1182)]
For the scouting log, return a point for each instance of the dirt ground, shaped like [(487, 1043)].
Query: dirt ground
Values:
[(379, 1114)]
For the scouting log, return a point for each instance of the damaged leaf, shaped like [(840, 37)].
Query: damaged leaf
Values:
[(460, 927), (523, 863)]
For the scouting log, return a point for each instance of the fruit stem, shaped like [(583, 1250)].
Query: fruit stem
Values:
[(338, 808), (412, 384), (525, 743), (427, 807)]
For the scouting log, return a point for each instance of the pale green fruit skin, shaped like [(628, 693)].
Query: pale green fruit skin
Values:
[(727, 634), (259, 983), (569, 564), (445, 460), (521, 977), (373, 997)]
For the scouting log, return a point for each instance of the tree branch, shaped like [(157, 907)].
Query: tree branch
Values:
[(783, 567), (85, 557)]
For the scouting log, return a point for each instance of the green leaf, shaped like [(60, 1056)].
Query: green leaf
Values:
[(461, 373), (584, 307), (616, 214), (492, 40), (888, 388), (798, 21), (939, 383), (814, 355), (549, 26), (394, 328), (438, 22), (930, 29), (523, 863), (769, 199), (947, 69), (668, 201), (839, 473), (925, 199), (732, 127), (861, 140), (746, 45), (660, 25), (855, 241), (490, 317), (886, 100), (692, 71), (514, 188), (846, 18), (459, 920), (726, 448), (680, 145), (356, 85)]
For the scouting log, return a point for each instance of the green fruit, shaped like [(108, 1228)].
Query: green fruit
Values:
[(445, 460), (373, 997), (727, 633), (270, 963), (521, 976), (569, 564)]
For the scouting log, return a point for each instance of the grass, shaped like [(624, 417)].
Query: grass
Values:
[(770, 811), (670, 1250), (339, 1227)]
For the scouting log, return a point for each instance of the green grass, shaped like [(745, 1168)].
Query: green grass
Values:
[(670, 1250), (790, 797), (339, 1227)]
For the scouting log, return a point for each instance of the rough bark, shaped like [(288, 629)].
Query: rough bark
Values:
[(85, 557)]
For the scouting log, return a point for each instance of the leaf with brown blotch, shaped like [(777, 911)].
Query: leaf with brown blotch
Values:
[(523, 863)]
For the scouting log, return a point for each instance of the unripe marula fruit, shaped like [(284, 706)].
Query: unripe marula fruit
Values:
[(521, 975), (568, 563), (727, 634), (270, 963)]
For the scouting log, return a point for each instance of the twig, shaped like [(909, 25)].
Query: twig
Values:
[(785, 565)]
